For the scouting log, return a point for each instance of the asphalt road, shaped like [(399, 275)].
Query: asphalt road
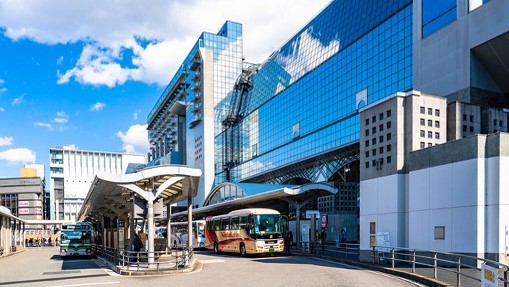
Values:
[(43, 267)]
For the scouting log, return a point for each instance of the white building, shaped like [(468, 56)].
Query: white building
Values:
[(443, 196), (72, 172)]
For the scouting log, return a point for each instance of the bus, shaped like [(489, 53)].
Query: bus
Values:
[(246, 231), (179, 234), (76, 239)]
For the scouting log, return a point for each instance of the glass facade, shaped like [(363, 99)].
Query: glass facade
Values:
[(437, 14), (305, 98)]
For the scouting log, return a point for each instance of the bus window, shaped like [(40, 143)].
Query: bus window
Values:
[(235, 222), (225, 224)]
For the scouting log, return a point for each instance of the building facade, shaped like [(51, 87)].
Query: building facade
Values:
[(72, 172), (295, 118), (23, 196)]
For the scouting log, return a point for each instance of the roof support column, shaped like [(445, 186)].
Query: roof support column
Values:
[(297, 206), (189, 225), (150, 223), (168, 227)]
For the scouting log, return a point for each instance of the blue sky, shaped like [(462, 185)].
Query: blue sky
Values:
[(85, 74)]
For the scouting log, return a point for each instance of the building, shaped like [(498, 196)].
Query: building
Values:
[(23, 196), (182, 125), (37, 170), (72, 172), (295, 118)]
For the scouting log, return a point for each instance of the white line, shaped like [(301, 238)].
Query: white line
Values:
[(87, 284)]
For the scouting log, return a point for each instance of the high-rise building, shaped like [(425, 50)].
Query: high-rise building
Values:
[(23, 196), (38, 170), (294, 118), (72, 172)]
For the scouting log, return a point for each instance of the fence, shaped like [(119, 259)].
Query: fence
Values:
[(451, 268), (138, 260)]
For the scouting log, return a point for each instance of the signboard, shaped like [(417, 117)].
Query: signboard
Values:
[(489, 276), (23, 203), (23, 211), (383, 242), (324, 220)]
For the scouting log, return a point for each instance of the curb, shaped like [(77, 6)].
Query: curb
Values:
[(193, 266)]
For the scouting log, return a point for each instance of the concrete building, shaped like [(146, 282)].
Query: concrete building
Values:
[(295, 118), (72, 172), (38, 170), (23, 196)]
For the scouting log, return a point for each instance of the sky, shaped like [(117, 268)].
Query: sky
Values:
[(85, 74)]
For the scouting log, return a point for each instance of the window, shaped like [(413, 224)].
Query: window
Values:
[(367, 121), (471, 129), (367, 164), (437, 124), (495, 122), (373, 152), (373, 129), (367, 153), (381, 149), (422, 122), (381, 127), (439, 232), (373, 162), (465, 117), (389, 148), (422, 145), (471, 118), (430, 111), (373, 119), (423, 110), (437, 112), (388, 113), (381, 139), (381, 116), (423, 133), (389, 159), (501, 123), (388, 125), (464, 128), (389, 136), (366, 132), (430, 134), (373, 141), (437, 14), (430, 123), (430, 144), (437, 136), (366, 143)]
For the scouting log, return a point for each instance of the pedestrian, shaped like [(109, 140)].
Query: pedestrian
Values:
[(286, 239), (136, 246), (342, 237), (290, 237)]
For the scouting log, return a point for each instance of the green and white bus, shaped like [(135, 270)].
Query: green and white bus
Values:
[(76, 239)]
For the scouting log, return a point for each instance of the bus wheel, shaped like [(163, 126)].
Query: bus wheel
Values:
[(216, 248), (242, 249)]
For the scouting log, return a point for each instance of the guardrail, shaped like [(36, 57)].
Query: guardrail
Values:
[(169, 260), (463, 266)]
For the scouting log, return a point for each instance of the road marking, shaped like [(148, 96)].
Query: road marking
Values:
[(212, 261), (88, 284)]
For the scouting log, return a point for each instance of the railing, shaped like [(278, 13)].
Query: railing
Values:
[(333, 250), (169, 260), (461, 266)]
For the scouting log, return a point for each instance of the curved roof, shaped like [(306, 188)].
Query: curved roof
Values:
[(111, 193), (261, 196)]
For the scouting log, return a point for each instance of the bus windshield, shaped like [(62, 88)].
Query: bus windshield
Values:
[(268, 224), (77, 236)]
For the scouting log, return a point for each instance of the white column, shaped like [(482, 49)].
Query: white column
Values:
[(150, 223), (168, 227)]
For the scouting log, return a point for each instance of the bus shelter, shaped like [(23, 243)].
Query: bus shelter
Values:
[(12, 235), (115, 201)]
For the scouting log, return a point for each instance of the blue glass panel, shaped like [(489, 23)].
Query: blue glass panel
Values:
[(437, 14)]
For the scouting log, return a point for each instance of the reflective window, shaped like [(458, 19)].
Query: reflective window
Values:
[(437, 14)]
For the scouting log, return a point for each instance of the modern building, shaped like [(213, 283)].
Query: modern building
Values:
[(72, 172), (182, 124), (23, 196), (38, 170), (294, 118)]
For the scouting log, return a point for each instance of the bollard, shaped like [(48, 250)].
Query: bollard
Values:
[(392, 258), (458, 270), (435, 266), (413, 261)]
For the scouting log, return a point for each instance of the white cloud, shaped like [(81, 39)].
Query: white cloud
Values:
[(2, 81), (2, 109), (97, 107), (3, 90), (44, 125), (135, 140), (61, 118), (6, 140), (17, 100), (70, 147), (18, 156), (60, 60), (135, 115), (164, 28)]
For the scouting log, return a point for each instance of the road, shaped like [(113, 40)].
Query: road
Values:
[(43, 267)]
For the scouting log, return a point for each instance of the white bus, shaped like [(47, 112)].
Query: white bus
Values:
[(246, 231)]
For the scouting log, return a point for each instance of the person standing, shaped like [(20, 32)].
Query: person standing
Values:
[(342, 237)]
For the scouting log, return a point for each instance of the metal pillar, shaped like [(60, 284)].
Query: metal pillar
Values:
[(150, 223), (168, 227), (189, 223)]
